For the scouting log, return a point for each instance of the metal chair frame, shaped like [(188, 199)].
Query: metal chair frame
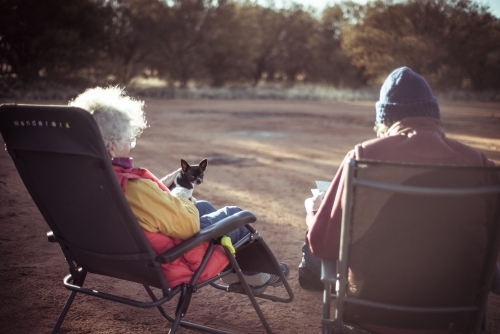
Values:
[(62, 138), (335, 273)]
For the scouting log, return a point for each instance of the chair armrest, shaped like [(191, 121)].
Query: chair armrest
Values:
[(212, 232), (328, 271)]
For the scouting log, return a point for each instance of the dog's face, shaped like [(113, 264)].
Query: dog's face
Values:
[(194, 174)]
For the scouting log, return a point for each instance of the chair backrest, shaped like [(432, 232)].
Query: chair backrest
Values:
[(60, 156), (419, 236)]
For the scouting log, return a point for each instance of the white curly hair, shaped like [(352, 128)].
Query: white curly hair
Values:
[(120, 117)]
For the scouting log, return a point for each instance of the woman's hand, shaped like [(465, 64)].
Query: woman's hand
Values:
[(169, 179), (313, 203)]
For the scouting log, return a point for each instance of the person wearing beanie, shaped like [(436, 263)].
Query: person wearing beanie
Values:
[(408, 130)]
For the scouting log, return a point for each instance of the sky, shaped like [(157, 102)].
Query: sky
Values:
[(320, 4)]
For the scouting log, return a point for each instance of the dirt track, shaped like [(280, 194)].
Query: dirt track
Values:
[(263, 156)]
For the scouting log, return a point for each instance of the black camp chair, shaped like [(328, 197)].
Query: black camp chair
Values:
[(60, 156), (418, 250)]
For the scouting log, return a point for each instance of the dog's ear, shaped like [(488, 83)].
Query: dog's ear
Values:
[(203, 164), (184, 165)]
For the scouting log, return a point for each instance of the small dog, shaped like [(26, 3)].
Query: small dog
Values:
[(185, 181)]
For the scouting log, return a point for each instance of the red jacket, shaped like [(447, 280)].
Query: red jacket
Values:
[(413, 140), (182, 269)]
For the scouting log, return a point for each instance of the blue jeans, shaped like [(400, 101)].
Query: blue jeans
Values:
[(209, 215), (310, 270)]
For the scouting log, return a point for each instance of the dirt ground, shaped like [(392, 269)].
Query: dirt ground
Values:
[(263, 156)]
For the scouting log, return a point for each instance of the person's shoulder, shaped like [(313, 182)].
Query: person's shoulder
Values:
[(472, 155), (381, 142), (377, 148)]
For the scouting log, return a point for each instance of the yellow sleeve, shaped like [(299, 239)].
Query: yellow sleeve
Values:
[(158, 211)]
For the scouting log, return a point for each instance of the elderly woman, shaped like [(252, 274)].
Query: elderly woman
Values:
[(165, 219)]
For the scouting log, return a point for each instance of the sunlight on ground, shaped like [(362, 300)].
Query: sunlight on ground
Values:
[(270, 152)]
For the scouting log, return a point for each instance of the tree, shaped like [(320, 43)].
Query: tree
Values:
[(126, 48), (264, 26), (185, 21), (472, 42), (296, 43), (154, 23), (332, 65), (33, 47), (451, 42), (387, 38), (225, 53)]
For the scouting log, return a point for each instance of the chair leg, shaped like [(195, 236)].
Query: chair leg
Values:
[(78, 280), (249, 292), (326, 308), (64, 312), (182, 305), (485, 323), (250, 295), (159, 307)]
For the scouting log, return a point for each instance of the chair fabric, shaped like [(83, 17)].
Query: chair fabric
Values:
[(60, 156), (430, 249), (63, 163)]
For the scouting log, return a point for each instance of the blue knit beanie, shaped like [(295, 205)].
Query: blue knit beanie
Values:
[(405, 94)]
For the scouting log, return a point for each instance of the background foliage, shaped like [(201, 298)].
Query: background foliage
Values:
[(455, 44)]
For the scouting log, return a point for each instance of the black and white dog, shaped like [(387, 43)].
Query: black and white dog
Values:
[(185, 181)]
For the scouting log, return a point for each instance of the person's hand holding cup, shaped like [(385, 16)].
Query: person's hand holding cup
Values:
[(313, 203)]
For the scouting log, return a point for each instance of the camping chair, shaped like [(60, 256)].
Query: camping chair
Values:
[(418, 250), (60, 156)]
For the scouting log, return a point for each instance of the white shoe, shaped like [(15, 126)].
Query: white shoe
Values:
[(252, 280)]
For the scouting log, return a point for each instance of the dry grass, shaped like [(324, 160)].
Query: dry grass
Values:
[(159, 89)]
